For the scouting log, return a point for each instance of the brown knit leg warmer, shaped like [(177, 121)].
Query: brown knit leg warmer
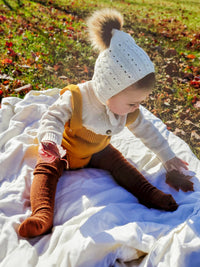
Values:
[(131, 179), (42, 197)]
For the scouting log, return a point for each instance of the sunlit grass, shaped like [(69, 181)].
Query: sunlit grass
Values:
[(44, 43)]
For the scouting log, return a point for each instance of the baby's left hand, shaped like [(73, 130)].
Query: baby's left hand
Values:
[(175, 164), (177, 176)]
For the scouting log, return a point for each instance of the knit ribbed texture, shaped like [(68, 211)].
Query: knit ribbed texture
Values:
[(131, 179), (42, 198)]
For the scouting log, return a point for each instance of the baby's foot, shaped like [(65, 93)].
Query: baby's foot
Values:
[(159, 200), (35, 225)]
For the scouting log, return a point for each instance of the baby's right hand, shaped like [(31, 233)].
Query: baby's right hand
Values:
[(48, 151)]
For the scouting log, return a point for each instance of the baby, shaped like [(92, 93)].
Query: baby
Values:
[(75, 131)]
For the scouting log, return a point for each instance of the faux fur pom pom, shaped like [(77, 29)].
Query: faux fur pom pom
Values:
[(100, 26)]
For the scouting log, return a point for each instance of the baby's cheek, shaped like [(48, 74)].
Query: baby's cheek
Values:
[(125, 111)]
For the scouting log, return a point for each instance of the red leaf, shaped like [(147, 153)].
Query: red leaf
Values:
[(70, 28), (190, 56), (5, 82), (195, 83), (11, 52), (9, 44), (6, 61), (85, 69), (2, 18)]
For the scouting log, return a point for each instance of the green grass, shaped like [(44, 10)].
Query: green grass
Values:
[(44, 40), (55, 33)]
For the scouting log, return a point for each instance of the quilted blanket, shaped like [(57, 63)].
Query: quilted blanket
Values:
[(97, 223)]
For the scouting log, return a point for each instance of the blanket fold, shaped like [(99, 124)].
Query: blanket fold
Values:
[(97, 223)]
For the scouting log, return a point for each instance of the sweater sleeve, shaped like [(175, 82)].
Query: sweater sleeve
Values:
[(151, 137), (53, 121)]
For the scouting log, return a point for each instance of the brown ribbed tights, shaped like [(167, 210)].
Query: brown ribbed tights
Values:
[(45, 180), (127, 176), (42, 197)]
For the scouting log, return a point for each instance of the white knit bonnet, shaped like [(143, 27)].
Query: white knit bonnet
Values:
[(121, 61)]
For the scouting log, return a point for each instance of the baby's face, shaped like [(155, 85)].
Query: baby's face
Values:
[(127, 100)]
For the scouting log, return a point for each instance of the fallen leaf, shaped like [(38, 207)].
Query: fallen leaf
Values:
[(17, 72), (169, 80), (25, 66), (179, 132), (5, 77), (188, 76), (2, 18), (188, 122), (9, 44), (12, 53), (197, 104), (172, 69), (25, 88), (171, 53), (195, 135), (167, 102), (190, 56), (6, 82), (49, 68), (63, 77), (195, 83), (57, 66), (85, 69), (6, 61)]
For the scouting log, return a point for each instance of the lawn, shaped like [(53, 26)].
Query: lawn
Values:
[(44, 44)]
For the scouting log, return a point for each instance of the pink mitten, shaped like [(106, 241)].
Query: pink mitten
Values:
[(49, 151)]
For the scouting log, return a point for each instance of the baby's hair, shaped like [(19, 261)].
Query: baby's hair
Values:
[(100, 26), (147, 83)]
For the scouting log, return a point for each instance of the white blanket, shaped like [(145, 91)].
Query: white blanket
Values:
[(97, 223)]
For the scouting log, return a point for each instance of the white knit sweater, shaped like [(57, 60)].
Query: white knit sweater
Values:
[(99, 119)]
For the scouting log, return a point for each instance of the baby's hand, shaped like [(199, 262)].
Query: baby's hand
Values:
[(175, 164), (49, 151), (178, 175)]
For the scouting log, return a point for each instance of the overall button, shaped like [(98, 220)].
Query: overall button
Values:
[(108, 132)]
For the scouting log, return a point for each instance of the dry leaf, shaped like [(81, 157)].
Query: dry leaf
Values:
[(179, 132), (171, 53), (172, 69), (63, 77), (26, 88), (197, 104), (195, 135)]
